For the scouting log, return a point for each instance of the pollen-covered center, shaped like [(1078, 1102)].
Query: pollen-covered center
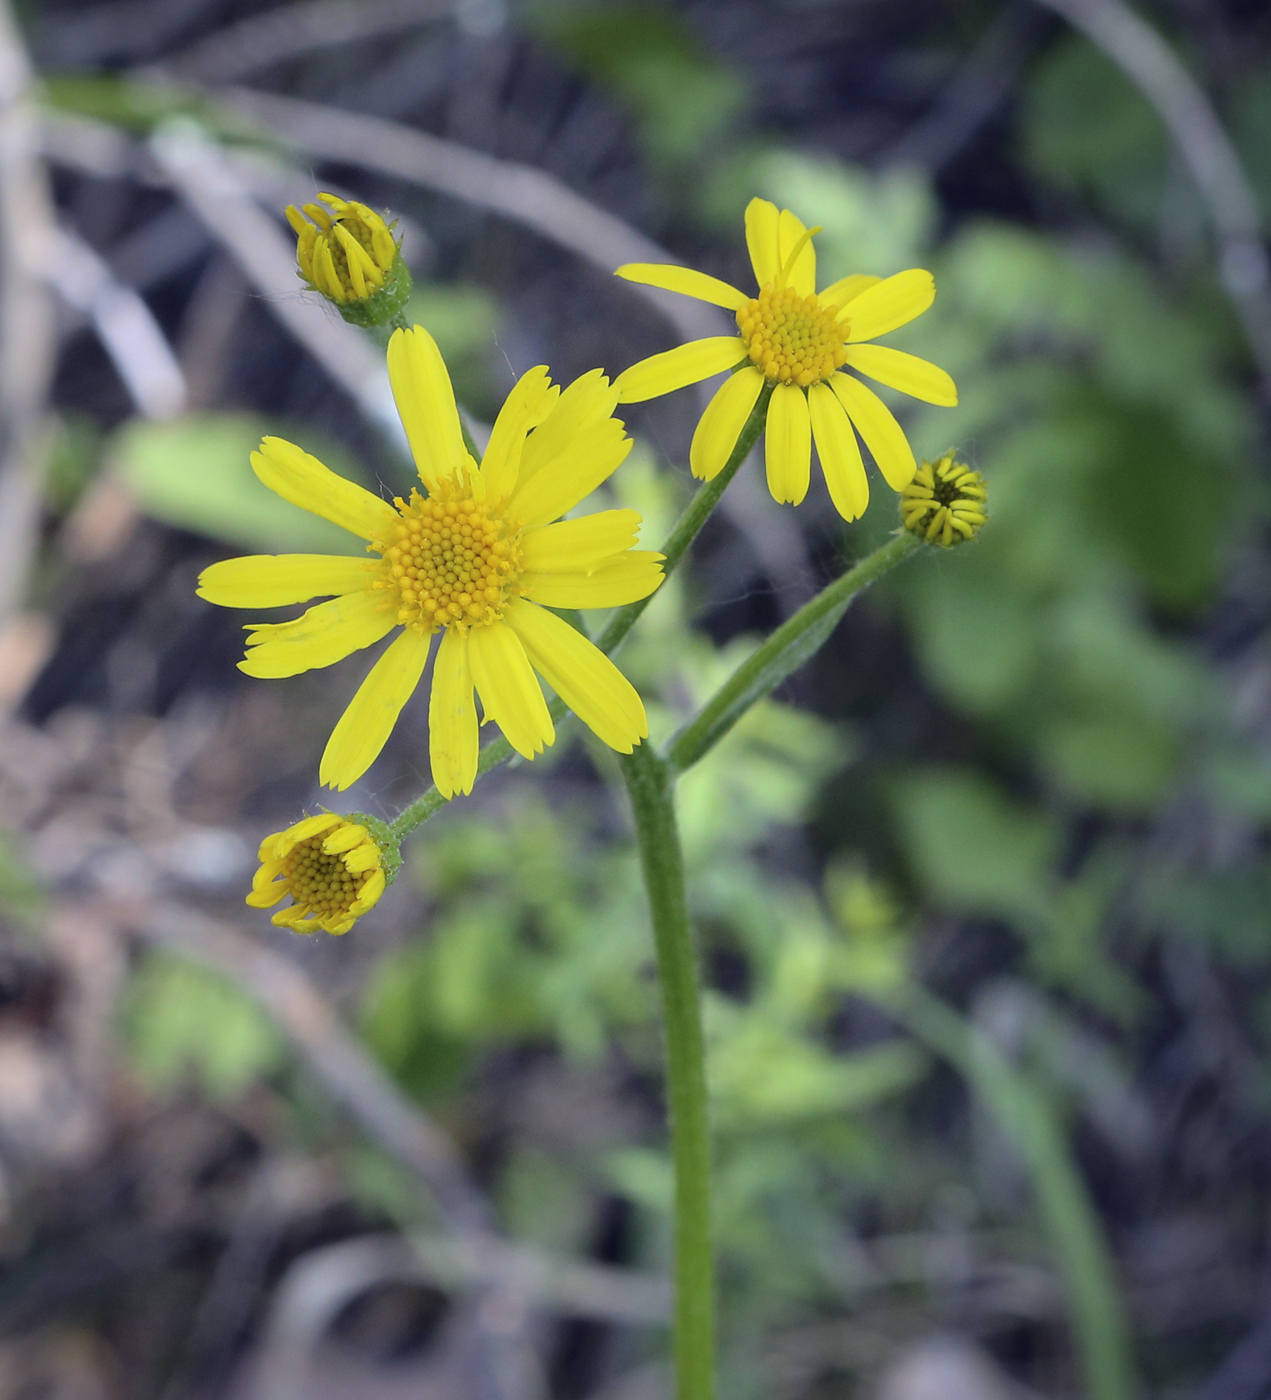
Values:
[(450, 562), (321, 882), (791, 338)]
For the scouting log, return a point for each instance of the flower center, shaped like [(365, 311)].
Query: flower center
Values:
[(450, 561), (321, 882), (791, 338)]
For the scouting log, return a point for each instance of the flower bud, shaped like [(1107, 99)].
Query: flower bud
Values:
[(348, 253), (946, 503), (332, 867)]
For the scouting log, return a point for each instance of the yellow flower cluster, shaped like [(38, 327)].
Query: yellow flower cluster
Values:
[(482, 556)]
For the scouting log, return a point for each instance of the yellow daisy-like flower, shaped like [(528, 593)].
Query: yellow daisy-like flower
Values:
[(946, 503), (349, 254), (331, 868), (798, 342), (473, 559)]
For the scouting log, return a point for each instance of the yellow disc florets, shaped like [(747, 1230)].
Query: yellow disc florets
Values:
[(452, 561), (331, 867), (792, 339), (946, 503)]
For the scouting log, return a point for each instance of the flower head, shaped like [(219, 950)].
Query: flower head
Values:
[(349, 254), (330, 866), (946, 503), (476, 557), (798, 343)]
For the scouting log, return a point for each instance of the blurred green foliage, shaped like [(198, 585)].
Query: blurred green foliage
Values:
[(682, 99), (195, 473), (184, 1023)]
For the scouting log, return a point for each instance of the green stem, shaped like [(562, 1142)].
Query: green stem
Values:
[(1100, 1329), (691, 520), (793, 643), (651, 787), (683, 533)]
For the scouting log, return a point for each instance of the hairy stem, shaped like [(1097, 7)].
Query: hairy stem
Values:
[(651, 787)]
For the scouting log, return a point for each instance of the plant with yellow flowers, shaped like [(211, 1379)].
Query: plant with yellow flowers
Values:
[(481, 560)]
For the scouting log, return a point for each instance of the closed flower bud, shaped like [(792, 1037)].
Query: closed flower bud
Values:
[(946, 503), (348, 253)]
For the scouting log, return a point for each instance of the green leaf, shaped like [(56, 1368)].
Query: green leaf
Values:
[(974, 849), (195, 473), (183, 1020)]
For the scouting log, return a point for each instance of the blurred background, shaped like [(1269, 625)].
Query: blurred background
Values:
[(984, 895)]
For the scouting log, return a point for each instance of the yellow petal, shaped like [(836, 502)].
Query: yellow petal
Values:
[(631, 576), (877, 425), (589, 459), (524, 408), (893, 302), (802, 277), (266, 897), (288, 840), (721, 424), (304, 481), (788, 444), (453, 738), (686, 280), (762, 219), (426, 405), (510, 693), (907, 373), (274, 580), (357, 278), (847, 289), (363, 728), (839, 452), (582, 675), (344, 838), (674, 369), (322, 636), (579, 546), (581, 409)]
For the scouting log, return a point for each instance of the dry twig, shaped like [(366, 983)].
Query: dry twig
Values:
[(1180, 102), (27, 340)]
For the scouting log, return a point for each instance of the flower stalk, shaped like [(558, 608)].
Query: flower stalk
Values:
[(798, 639), (650, 785)]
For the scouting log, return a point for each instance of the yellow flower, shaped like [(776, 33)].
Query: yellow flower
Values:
[(799, 343), (331, 868), (473, 558), (349, 255), (946, 503)]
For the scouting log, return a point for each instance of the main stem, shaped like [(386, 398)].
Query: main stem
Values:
[(652, 789)]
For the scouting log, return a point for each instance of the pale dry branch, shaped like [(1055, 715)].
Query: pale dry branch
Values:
[(199, 172), (530, 197), (1205, 148), (263, 40), (125, 325), (27, 337)]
